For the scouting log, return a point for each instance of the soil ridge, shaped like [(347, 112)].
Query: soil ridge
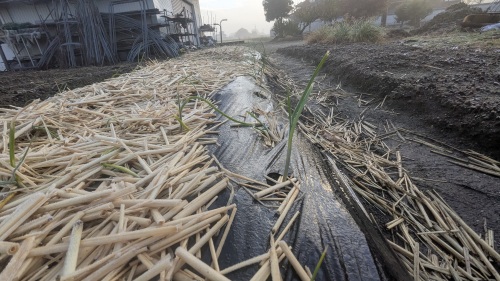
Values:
[(455, 90)]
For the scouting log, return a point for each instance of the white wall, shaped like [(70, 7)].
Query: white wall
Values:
[(178, 5), (485, 6), (163, 5), (196, 4)]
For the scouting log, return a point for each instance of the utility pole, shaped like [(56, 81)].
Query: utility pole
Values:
[(220, 26)]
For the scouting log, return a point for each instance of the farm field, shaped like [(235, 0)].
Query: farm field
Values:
[(441, 90), (411, 124)]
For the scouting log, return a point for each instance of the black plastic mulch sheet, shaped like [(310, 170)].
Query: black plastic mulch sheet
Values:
[(324, 219)]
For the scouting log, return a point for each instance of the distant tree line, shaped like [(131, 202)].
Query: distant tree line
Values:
[(243, 33), (294, 19)]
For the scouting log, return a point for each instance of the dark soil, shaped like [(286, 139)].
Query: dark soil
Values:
[(20, 88), (455, 89), (449, 94)]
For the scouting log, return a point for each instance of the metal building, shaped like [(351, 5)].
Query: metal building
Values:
[(68, 33)]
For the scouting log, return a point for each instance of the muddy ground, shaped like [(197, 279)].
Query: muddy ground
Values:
[(442, 89), (444, 94)]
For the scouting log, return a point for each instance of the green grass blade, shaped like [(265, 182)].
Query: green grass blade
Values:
[(22, 159), (120, 168), (216, 109), (303, 100), (258, 121), (294, 118), (14, 178), (316, 269), (183, 125), (12, 144), (288, 152), (7, 199), (289, 106)]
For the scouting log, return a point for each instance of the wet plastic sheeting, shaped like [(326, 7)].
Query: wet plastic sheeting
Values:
[(323, 221)]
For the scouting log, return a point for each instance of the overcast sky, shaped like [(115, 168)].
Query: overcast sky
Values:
[(248, 14)]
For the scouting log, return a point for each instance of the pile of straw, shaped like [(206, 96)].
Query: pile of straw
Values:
[(106, 185)]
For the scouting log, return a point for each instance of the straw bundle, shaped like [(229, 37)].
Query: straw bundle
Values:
[(111, 186)]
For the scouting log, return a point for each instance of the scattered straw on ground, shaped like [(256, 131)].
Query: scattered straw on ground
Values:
[(104, 184), (433, 242)]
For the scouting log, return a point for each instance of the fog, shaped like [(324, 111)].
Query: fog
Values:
[(248, 14)]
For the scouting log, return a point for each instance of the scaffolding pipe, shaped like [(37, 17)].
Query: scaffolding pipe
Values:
[(196, 33), (4, 58)]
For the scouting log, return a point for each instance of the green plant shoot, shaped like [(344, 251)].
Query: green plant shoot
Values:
[(316, 269), (12, 144), (120, 168), (294, 118), (12, 158), (181, 107)]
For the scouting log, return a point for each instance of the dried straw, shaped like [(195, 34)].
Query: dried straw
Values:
[(112, 179)]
